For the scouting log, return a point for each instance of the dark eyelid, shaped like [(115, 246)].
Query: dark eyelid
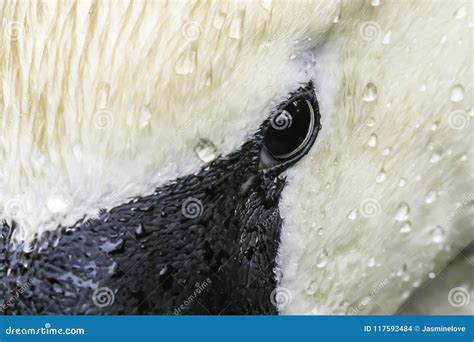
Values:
[(291, 130)]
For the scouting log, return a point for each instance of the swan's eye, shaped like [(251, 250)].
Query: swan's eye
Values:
[(292, 130)]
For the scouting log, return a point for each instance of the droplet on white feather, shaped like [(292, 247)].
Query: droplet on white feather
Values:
[(402, 212), (370, 92), (457, 93)]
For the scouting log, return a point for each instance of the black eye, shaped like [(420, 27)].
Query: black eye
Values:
[(292, 130)]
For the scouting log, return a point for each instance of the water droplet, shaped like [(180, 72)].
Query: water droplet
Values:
[(140, 230), (320, 231), (402, 212), (103, 95), (292, 56), (436, 157), (406, 227), (432, 275), (370, 122), (438, 234), (56, 203), (336, 18), (457, 93), (402, 182), (460, 13), (267, 4), (375, 3), (322, 259), (235, 28), (312, 287), (381, 177), (371, 262), (370, 92), (430, 197), (386, 151), (113, 247), (206, 150), (387, 37), (144, 118), (186, 63), (352, 214), (434, 126), (372, 140), (443, 40), (405, 277), (218, 21)]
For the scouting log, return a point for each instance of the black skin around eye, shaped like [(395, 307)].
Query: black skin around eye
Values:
[(292, 129)]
